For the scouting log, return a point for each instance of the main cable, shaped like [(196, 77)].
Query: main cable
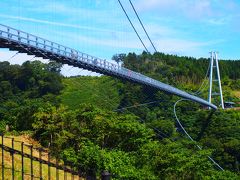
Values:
[(133, 26), (142, 25), (180, 124)]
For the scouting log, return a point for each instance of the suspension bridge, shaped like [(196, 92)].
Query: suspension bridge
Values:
[(23, 42)]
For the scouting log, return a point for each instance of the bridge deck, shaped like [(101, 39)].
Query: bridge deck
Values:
[(27, 43)]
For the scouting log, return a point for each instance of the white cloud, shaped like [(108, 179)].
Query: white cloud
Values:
[(73, 10), (55, 23), (149, 5), (156, 30), (196, 9), (219, 21), (184, 47), (132, 43)]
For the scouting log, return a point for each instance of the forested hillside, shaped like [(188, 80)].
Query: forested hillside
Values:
[(101, 123), (103, 91)]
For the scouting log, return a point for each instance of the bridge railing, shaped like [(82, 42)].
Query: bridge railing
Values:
[(46, 45)]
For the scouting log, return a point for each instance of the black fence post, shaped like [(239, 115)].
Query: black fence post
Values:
[(57, 170), (91, 174), (64, 171), (22, 151), (31, 155), (2, 156), (72, 174), (40, 163), (79, 174), (49, 167), (12, 153), (105, 175)]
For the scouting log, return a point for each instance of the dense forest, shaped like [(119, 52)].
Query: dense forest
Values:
[(101, 123)]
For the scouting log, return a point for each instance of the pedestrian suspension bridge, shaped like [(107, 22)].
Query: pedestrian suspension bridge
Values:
[(24, 42)]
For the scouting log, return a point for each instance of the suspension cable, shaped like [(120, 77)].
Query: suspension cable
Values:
[(158, 132), (31, 58), (135, 106), (12, 56), (180, 124), (200, 89), (142, 25), (133, 26)]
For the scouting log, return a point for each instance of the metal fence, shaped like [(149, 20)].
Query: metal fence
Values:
[(20, 160)]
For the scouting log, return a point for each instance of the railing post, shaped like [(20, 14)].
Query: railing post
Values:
[(28, 39), (72, 175), (12, 153), (22, 145), (8, 30), (31, 155), (19, 39), (105, 175), (49, 167), (37, 41), (2, 156), (40, 163), (79, 174), (57, 170), (65, 49), (64, 171)]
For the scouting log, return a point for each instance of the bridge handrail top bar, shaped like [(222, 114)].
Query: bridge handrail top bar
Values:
[(93, 62), (54, 43)]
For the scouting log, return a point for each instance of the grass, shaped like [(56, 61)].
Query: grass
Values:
[(236, 94), (103, 91), (27, 161)]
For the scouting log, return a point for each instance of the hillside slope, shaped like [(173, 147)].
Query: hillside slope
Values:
[(103, 91)]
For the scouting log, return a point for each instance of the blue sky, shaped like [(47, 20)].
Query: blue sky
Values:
[(100, 28)]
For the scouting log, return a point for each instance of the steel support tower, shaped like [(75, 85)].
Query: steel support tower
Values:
[(214, 79)]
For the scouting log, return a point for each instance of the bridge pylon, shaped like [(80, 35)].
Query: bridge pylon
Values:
[(215, 87)]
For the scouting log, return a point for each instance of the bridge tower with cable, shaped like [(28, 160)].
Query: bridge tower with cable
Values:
[(215, 87)]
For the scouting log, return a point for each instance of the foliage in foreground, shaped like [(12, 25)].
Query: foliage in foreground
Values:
[(95, 140)]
